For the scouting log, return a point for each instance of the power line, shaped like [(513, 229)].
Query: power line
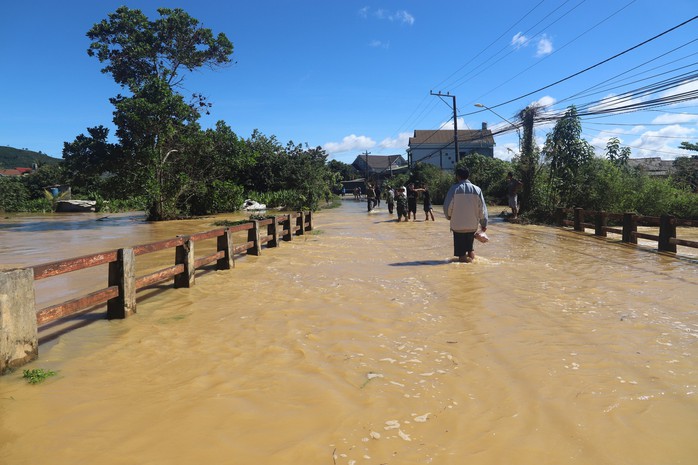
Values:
[(596, 86), (560, 48), (592, 66), (441, 84), (478, 69), (636, 135)]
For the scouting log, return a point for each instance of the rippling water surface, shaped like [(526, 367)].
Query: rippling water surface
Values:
[(362, 344)]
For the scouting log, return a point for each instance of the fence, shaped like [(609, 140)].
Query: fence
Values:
[(666, 239), (20, 320)]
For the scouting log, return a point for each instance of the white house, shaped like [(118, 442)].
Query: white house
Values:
[(436, 147)]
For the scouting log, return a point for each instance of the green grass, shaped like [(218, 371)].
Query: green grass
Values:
[(37, 375)]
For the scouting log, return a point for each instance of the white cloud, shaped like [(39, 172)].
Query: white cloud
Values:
[(400, 142), (671, 118), (351, 142), (400, 16), (688, 86), (379, 44), (449, 124), (545, 102), (404, 17), (519, 40), (545, 46), (662, 143)]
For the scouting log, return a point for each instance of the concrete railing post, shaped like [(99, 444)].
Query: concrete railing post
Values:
[(560, 216), (184, 254), (122, 273), (19, 340), (253, 236), (225, 244)]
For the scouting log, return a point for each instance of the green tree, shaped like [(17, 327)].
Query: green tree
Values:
[(90, 159), (615, 153), (14, 195), (137, 50), (438, 180), (568, 154), (46, 175), (488, 173), (346, 171), (686, 168), (155, 125)]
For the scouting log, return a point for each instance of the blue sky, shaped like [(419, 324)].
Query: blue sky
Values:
[(355, 76)]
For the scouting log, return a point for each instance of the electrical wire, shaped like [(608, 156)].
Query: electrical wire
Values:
[(589, 68)]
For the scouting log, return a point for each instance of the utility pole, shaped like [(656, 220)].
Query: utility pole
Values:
[(366, 154), (455, 121)]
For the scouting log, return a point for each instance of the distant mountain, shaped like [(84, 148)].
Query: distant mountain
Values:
[(11, 157)]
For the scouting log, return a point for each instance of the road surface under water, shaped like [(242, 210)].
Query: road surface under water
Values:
[(362, 344)]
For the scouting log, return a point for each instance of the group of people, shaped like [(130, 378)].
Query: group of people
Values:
[(464, 207), (405, 199)]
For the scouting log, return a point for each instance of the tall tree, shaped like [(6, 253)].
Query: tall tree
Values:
[(155, 123), (568, 155)]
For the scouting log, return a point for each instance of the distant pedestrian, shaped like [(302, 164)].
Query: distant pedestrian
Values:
[(466, 209), (426, 197), (513, 188), (378, 195), (411, 202), (391, 199), (370, 197), (401, 203)]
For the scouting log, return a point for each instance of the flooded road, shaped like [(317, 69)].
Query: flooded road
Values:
[(362, 344)]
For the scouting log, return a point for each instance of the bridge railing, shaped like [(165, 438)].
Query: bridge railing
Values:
[(627, 224), (20, 320)]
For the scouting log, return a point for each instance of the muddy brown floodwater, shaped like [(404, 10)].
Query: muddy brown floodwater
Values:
[(361, 344)]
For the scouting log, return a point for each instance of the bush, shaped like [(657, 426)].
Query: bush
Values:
[(14, 196)]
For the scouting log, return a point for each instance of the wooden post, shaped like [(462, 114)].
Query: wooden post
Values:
[(578, 219), (310, 220), (601, 221), (667, 230), (289, 223), (629, 227), (225, 244), (560, 216), (300, 222), (19, 340), (122, 273), (253, 236), (273, 230), (184, 254)]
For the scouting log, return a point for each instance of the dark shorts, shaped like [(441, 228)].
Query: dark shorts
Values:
[(427, 207), (412, 205), (462, 243)]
